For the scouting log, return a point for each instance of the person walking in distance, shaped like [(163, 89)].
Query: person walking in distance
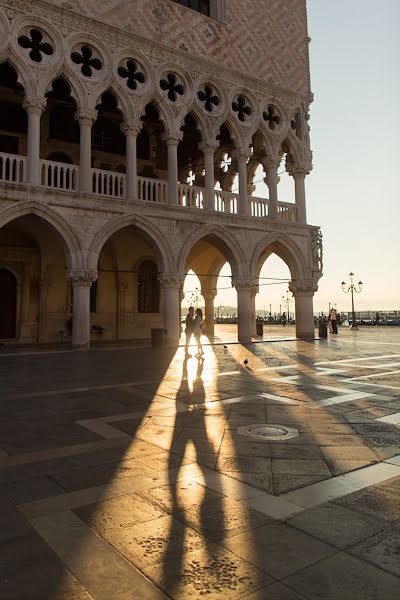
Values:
[(283, 319), (189, 327), (197, 331), (334, 320)]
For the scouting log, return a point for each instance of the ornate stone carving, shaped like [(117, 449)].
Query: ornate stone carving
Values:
[(208, 146), (243, 283), (172, 137), (82, 278), (131, 126), (303, 287), (317, 250), (170, 280), (35, 104), (85, 116)]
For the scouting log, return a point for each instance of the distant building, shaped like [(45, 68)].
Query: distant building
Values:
[(121, 133)]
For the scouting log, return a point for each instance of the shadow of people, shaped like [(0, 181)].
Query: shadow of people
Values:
[(189, 429)]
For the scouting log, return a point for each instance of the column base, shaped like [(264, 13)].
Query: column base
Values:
[(81, 347)]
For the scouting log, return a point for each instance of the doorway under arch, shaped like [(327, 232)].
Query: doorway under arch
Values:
[(8, 305)]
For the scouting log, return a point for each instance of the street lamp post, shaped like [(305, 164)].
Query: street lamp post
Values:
[(352, 288), (287, 300)]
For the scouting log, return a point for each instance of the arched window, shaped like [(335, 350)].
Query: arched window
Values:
[(148, 287)]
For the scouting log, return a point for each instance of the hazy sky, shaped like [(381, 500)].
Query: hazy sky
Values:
[(353, 193)]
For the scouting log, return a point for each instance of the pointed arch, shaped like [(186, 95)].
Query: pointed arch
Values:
[(226, 242), (284, 247), (71, 242), (77, 91), (152, 234), (24, 78), (202, 123), (120, 97), (165, 113)]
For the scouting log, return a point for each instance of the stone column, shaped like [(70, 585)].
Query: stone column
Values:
[(86, 119), (131, 130), (271, 167), (253, 293), (42, 329), (303, 292), (25, 292), (172, 138), (209, 296), (172, 325), (243, 287), (81, 281), (34, 107), (208, 148), (241, 155), (121, 308), (300, 194)]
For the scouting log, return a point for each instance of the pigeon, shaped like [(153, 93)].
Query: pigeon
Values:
[(226, 347), (245, 361)]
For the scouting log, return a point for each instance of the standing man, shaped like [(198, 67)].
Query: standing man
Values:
[(333, 320), (189, 329)]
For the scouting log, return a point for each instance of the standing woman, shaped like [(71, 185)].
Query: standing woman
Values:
[(197, 331)]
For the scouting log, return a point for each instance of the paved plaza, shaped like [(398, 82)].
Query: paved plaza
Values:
[(134, 474)]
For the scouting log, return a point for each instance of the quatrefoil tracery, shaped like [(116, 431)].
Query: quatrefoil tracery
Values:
[(85, 58), (242, 109), (36, 44), (272, 117), (174, 89), (210, 100), (132, 74)]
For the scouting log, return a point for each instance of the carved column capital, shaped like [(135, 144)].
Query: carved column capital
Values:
[(270, 164), (131, 127), (170, 280), (35, 105), (244, 283), (209, 146), (86, 116), (209, 295), (296, 168), (241, 153), (303, 287), (172, 138), (81, 278)]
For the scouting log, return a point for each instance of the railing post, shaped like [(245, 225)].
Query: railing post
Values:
[(172, 138), (34, 107), (131, 130), (86, 119)]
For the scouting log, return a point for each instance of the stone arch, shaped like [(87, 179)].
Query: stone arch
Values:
[(225, 240), (71, 242), (202, 123), (151, 233), (285, 248), (122, 100), (76, 88), (24, 77), (238, 135), (165, 113)]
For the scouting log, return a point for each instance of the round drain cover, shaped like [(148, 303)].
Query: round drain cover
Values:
[(267, 432)]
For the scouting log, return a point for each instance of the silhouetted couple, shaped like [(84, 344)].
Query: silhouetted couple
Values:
[(194, 323)]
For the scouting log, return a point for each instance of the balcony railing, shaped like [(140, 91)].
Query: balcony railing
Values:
[(58, 175), (12, 168), (61, 176), (152, 190)]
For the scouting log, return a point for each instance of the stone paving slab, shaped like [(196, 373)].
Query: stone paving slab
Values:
[(164, 490)]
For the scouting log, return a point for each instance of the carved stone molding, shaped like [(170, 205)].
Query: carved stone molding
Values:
[(303, 287), (81, 278)]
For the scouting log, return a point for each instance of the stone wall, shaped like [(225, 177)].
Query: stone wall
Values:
[(265, 39)]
